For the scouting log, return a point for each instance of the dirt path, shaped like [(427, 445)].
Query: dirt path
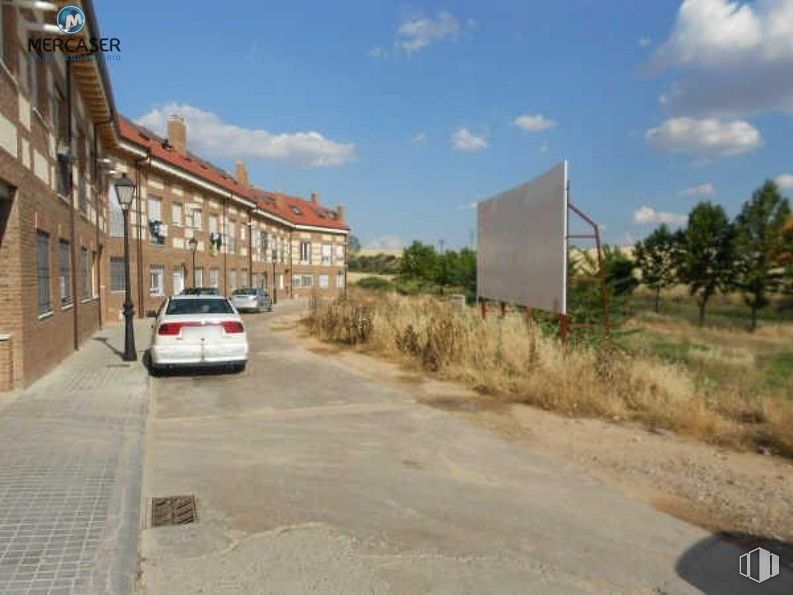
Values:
[(718, 489)]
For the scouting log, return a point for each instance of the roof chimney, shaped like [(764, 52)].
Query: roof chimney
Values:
[(341, 210), (177, 133), (242, 174), (315, 199)]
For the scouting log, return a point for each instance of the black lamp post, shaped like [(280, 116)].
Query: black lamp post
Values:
[(125, 190), (193, 245)]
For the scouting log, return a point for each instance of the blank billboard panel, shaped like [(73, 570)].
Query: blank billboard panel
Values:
[(522, 252)]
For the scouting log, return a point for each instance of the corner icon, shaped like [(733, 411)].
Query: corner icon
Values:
[(759, 565)]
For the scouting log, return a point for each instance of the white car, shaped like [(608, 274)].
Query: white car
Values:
[(198, 330)]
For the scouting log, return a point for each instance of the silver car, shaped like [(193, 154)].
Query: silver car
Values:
[(251, 299)]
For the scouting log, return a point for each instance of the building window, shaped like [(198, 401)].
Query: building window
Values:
[(214, 278), (296, 280), (157, 280), (94, 276), (178, 280), (340, 280), (230, 237), (65, 272), (82, 192), (244, 278), (213, 223), (156, 232), (33, 78), (323, 281), (280, 281), (305, 252), (308, 281), (43, 272), (326, 248), (232, 279), (196, 219), (339, 253), (85, 269), (176, 214), (117, 277), (199, 277)]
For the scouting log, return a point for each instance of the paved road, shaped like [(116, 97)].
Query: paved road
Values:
[(312, 477), (71, 459)]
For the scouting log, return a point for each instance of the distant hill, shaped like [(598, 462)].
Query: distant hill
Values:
[(376, 251)]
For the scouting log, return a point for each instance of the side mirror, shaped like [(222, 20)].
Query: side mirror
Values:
[(151, 314)]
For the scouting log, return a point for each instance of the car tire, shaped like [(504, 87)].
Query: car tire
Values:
[(155, 371), (238, 368)]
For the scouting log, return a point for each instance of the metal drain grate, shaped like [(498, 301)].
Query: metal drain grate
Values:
[(173, 510)]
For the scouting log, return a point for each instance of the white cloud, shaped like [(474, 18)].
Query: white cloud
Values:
[(785, 181), (735, 58), (644, 42), (418, 139), (465, 140), (377, 52), (416, 34), (534, 122), (467, 206), (646, 215), (699, 191), (709, 138), (208, 134), (387, 242)]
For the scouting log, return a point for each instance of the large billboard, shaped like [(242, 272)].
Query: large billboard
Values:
[(522, 251)]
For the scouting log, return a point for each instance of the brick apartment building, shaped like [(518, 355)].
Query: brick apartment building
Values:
[(61, 257), (244, 236)]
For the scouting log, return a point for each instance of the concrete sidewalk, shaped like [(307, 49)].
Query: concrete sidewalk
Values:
[(71, 451)]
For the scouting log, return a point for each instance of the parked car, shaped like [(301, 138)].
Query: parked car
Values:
[(253, 299), (198, 330), (200, 291)]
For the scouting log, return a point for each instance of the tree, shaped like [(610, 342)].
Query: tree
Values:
[(761, 240), (655, 258), (353, 244), (619, 271), (458, 269), (707, 254), (420, 261)]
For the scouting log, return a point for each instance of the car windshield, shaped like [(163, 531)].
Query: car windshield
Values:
[(245, 291), (199, 306)]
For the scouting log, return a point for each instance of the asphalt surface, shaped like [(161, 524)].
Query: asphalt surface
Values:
[(313, 477)]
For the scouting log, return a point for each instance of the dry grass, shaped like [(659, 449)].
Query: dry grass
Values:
[(510, 358)]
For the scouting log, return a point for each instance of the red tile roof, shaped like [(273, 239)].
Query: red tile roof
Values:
[(293, 209)]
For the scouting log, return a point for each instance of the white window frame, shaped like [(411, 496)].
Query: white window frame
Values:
[(305, 252), (213, 223), (214, 277), (178, 271), (327, 254), (195, 219), (296, 281), (324, 281), (340, 280), (150, 202), (156, 271), (307, 277), (177, 212)]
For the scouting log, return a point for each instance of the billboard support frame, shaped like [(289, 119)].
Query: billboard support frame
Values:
[(604, 296)]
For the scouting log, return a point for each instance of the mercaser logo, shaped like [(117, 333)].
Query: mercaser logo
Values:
[(759, 565), (71, 19)]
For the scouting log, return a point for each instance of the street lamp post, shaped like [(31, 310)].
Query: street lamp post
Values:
[(193, 245), (125, 190)]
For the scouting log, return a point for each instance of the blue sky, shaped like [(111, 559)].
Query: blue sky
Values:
[(409, 113)]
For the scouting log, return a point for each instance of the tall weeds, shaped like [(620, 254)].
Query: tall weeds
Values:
[(511, 358)]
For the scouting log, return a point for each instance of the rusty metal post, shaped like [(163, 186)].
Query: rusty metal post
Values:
[(564, 328), (503, 309), (483, 307)]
